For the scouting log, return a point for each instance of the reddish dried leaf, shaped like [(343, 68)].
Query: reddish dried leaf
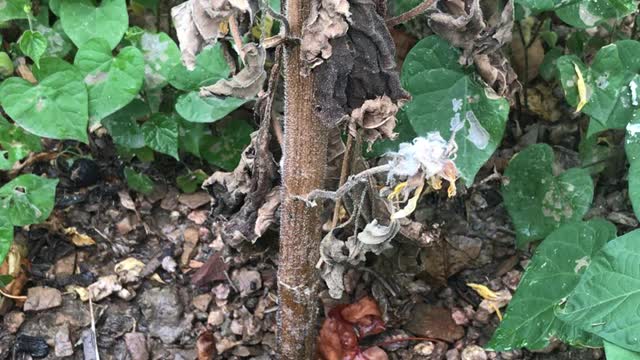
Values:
[(337, 340), (212, 270), (206, 345), (366, 315)]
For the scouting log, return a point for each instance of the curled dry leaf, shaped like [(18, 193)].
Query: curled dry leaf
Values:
[(374, 233), (328, 20), (206, 345), (345, 325), (248, 82), (77, 238), (267, 213), (198, 22), (361, 67), (377, 119), (212, 270), (481, 36)]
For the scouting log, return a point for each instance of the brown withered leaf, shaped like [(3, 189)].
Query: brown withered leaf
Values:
[(377, 118), (198, 22), (267, 213), (212, 270), (327, 20), (361, 67), (248, 82), (206, 345), (464, 24)]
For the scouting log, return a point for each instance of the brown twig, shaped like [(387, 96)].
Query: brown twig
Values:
[(344, 172), (272, 89), (418, 10), (14, 297), (237, 38)]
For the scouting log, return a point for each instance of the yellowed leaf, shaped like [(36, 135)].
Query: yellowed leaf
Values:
[(582, 89), (82, 293), (483, 291), (77, 238), (396, 191), (410, 207)]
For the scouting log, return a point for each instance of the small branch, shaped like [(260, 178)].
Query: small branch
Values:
[(344, 172), (14, 297), (342, 190), (237, 38), (418, 10)]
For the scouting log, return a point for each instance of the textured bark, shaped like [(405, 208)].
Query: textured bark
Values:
[(304, 165)]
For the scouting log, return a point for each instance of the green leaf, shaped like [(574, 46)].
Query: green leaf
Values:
[(445, 96), (123, 124), (6, 237), (539, 202), (161, 55), (27, 199), (112, 81), (605, 302), (33, 44), (161, 134), (192, 136), (615, 352), (51, 65), (83, 21), (589, 13), (192, 107), (138, 182), (13, 9), (554, 271), (55, 108), (609, 82), (4, 279), (58, 43), (190, 182), (549, 68), (632, 148), (402, 6), (211, 66), (225, 150), (15, 144)]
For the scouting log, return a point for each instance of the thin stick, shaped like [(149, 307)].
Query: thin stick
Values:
[(93, 327), (272, 89), (14, 297), (237, 38), (418, 10), (344, 172)]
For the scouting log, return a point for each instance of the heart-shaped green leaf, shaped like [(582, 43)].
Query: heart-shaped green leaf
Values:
[(6, 237), (615, 352), (33, 44), (554, 271), (192, 107), (589, 13), (13, 9), (605, 301), (192, 136), (138, 182), (611, 84), (112, 81), (83, 21), (211, 66), (123, 124), (632, 148), (58, 43), (27, 199), (54, 108), (51, 65), (161, 56), (447, 96), (537, 200), (225, 149), (161, 134), (15, 144)]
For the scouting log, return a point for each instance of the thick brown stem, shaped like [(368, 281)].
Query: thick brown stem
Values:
[(304, 165)]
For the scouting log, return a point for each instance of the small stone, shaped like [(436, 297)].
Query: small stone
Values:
[(237, 327), (216, 317), (511, 279), (424, 348), (474, 352), (170, 201), (126, 294), (453, 354), (198, 217), (12, 321), (42, 298), (459, 316), (434, 322), (247, 281), (136, 346), (195, 200), (62, 342), (201, 302), (129, 270), (169, 265), (124, 226), (65, 266)]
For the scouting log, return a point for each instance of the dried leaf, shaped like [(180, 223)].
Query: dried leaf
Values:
[(366, 315), (483, 291), (328, 20), (337, 340), (206, 345), (374, 233), (267, 213), (248, 82), (129, 270), (410, 207), (377, 118), (582, 89), (77, 238), (197, 24), (212, 270)]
